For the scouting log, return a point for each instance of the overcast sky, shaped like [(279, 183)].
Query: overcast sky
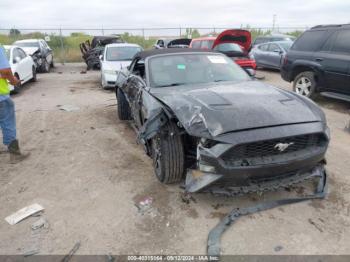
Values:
[(165, 13)]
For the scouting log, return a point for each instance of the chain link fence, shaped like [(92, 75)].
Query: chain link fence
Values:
[(65, 41)]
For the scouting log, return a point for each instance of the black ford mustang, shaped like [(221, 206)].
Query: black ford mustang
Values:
[(199, 114)]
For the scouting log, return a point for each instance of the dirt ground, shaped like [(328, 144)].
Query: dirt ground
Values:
[(88, 172)]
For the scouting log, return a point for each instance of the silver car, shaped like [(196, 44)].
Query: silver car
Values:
[(270, 55)]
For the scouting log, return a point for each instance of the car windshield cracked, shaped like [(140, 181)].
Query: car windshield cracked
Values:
[(190, 69)]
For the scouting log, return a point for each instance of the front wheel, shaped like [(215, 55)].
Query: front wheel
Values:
[(168, 154), (124, 112), (45, 67), (305, 84)]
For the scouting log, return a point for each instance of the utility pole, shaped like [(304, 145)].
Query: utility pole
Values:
[(274, 22)]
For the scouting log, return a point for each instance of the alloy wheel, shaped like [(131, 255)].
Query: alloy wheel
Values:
[(303, 86)]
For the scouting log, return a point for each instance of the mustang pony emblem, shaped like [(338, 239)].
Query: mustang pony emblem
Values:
[(283, 146)]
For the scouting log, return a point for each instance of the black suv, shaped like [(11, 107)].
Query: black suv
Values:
[(319, 62)]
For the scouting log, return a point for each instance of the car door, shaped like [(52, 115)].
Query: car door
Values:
[(26, 64), (334, 58), (261, 54), (19, 66), (274, 55)]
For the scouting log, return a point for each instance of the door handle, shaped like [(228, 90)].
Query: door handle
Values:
[(319, 59)]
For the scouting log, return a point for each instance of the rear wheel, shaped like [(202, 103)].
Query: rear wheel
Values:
[(124, 112), (305, 84), (168, 154)]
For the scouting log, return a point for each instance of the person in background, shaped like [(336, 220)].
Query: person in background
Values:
[(7, 110)]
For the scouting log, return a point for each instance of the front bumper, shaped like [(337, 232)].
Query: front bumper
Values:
[(109, 80), (216, 168)]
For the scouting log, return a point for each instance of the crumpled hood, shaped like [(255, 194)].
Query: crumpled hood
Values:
[(115, 65), (213, 109), (30, 50)]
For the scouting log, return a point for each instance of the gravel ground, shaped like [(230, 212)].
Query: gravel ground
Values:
[(88, 173)]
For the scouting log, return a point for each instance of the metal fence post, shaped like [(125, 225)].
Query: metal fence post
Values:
[(63, 56)]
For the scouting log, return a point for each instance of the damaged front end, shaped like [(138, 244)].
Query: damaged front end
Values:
[(256, 161)]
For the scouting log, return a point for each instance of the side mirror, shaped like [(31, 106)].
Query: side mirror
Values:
[(251, 72), (17, 59)]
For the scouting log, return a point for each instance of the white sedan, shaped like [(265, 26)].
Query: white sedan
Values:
[(22, 65), (114, 58)]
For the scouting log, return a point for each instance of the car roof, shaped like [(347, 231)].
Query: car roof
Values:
[(331, 26), (204, 38), (276, 35), (28, 40), (276, 42), (122, 45), (165, 51)]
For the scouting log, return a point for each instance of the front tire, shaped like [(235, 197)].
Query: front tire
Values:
[(168, 154), (305, 84), (124, 112), (45, 67)]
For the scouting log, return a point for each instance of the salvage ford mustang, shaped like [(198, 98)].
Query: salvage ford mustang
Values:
[(200, 116)]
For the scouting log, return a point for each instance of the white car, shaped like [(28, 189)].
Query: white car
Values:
[(22, 65), (114, 58), (40, 51)]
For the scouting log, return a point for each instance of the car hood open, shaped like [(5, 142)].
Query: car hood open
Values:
[(210, 110), (237, 36)]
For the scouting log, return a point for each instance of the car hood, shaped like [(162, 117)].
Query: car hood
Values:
[(115, 65), (30, 50), (210, 110), (237, 36)]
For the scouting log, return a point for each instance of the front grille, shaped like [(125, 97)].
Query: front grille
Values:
[(270, 151)]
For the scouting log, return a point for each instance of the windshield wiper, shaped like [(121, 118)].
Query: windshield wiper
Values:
[(173, 84)]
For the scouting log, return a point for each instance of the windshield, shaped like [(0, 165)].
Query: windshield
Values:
[(186, 69), (27, 44), (120, 53), (228, 47), (286, 45)]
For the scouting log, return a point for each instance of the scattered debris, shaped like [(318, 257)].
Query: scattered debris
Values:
[(213, 247), (31, 252), (145, 205), (60, 72), (71, 253), (69, 108), (278, 248), (40, 223), (83, 72), (187, 197), (315, 225), (23, 213)]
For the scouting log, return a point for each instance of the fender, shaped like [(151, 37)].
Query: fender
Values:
[(314, 66)]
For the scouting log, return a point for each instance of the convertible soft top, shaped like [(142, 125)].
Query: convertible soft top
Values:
[(153, 52)]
